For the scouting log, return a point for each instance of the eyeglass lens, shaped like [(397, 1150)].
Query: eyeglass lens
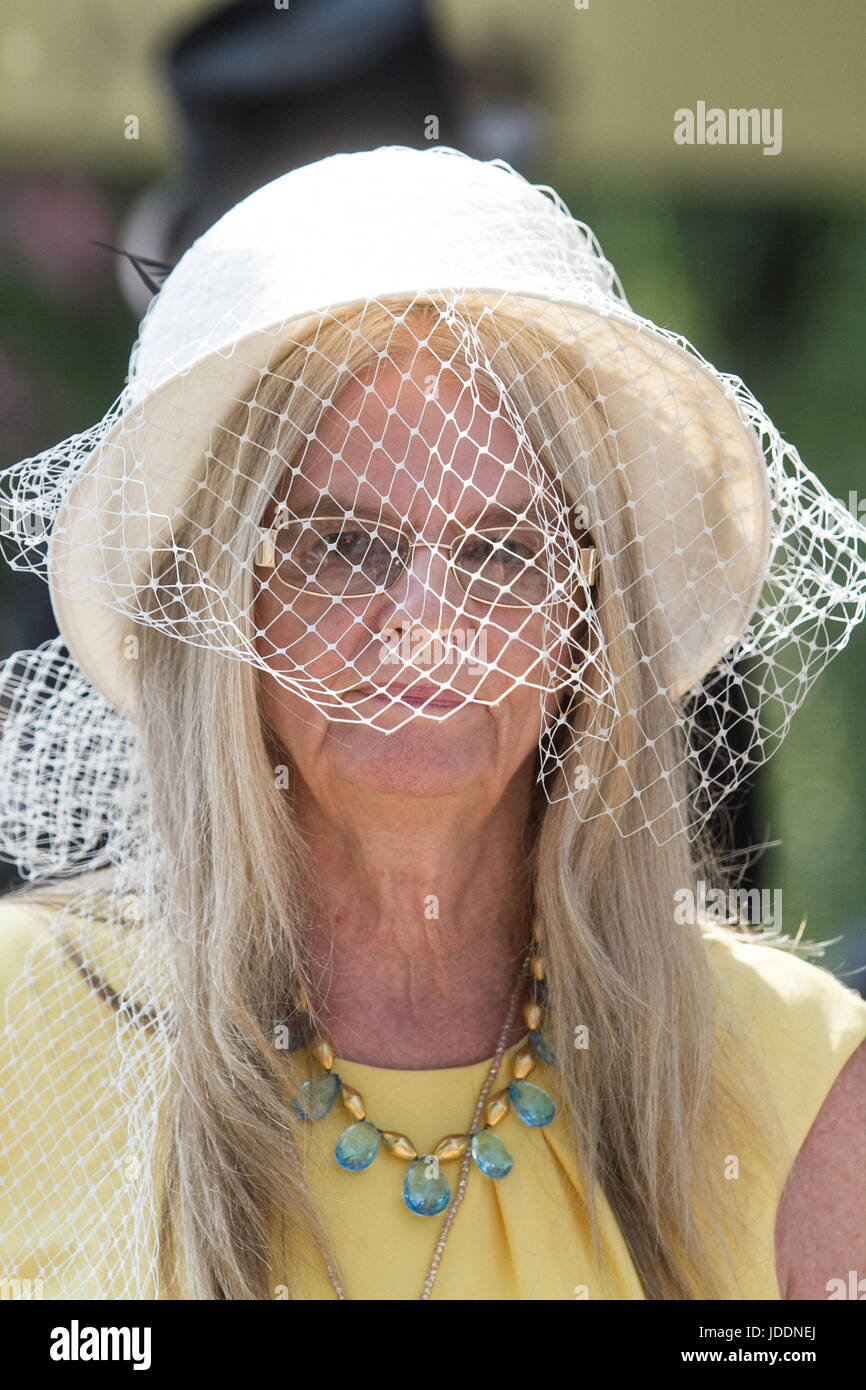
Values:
[(348, 558)]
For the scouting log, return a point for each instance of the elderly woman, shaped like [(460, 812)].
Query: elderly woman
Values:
[(410, 593)]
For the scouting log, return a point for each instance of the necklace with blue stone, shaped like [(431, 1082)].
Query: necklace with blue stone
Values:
[(426, 1190)]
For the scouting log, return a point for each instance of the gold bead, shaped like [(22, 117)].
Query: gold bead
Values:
[(537, 928), (536, 965), (497, 1107), (353, 1101), (324, 1053), (533, 1013), (452, 1146), (398, 1144), (523, 1062)]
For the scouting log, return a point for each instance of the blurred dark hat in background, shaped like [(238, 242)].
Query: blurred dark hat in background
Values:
[(262, 90)]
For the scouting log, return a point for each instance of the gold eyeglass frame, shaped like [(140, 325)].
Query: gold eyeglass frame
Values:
[(266, 558)]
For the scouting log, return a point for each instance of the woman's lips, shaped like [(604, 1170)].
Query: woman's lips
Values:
[(428, 696)]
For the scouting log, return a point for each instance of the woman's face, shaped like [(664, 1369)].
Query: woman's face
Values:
[(420, 448)]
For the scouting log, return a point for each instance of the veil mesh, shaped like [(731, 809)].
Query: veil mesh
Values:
[(393, 437)]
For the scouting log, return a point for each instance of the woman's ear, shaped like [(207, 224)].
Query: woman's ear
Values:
[(275, 753)]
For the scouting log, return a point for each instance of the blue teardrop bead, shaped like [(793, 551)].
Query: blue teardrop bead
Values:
[(491, 1155), (425, 1195), (317, 1096), (534, 1106), (357, 1146), (542, 1046)]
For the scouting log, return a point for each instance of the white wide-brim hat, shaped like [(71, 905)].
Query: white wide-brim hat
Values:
[(370, 226)]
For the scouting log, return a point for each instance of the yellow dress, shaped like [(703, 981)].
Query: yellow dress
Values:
[(525, 1236)]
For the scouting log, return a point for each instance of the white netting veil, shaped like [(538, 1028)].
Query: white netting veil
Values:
[(393, 438), (402, 346)]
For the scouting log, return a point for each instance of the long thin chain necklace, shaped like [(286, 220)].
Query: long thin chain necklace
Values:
[(426, 1191)]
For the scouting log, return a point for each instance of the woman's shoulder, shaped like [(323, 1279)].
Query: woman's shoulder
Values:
[(24, 926), (61, 931), (780, 989), (808, 1026), (67, 1076), (793, 1016)]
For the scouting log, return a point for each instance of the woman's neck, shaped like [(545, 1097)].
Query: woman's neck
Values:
[(422, 924)]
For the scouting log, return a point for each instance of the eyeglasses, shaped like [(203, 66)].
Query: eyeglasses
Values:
[(345, 557)]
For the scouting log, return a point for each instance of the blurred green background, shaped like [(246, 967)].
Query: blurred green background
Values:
[(759, 260)]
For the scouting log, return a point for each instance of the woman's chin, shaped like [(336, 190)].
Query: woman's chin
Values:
[(423, 757)]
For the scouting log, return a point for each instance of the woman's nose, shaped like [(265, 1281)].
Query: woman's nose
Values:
[(427, 585)]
